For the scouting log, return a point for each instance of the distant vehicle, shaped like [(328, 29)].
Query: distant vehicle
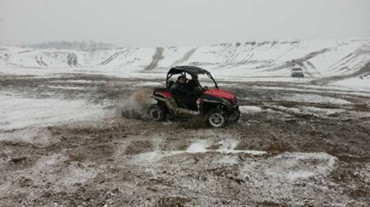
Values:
[(297, 73), (217, 106)]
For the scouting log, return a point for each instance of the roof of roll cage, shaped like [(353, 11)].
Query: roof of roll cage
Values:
[(192, 70)]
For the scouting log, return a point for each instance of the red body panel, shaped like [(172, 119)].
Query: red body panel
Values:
[(164, 93), (212, 92), (220, 93)]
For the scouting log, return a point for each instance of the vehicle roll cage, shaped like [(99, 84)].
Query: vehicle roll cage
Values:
[(192, 71)]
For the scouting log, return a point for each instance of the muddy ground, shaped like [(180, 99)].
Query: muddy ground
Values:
[(295, 145)]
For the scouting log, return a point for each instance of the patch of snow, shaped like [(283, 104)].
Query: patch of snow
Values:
[(289, 110), (33, 135), (49, 171), (68, 88), (228, 160), (288, 167), (227, 147), (18, 112), (250, 109), (5, 186), (227, 84), (75, 81), (50, 160), (148, 84), (147, 158), (317, 89), (277, 177), (198, 146), (47, 167), (355, 83), (314, 111), (77, 175), (228, 144), (323, 111), (313, 98), (359, 114)]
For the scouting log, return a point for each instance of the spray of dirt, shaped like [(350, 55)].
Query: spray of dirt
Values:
[(137, 105)]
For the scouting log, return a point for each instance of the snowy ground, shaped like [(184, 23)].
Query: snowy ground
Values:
[(69, 139), (78, 135), (18, 112)]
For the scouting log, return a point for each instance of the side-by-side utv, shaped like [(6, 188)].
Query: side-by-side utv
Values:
[(218, 107)]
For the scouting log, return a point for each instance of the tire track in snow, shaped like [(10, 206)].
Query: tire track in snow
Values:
[(40, 61), (342, 64), (158, 55), (186, 57), (363, 70), (295, 46), (301, 61), (112, 57)]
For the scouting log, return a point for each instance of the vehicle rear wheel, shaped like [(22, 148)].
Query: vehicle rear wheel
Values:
[(216, 118), (157, 113)]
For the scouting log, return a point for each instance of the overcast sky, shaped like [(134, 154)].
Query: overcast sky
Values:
[(181, 22)]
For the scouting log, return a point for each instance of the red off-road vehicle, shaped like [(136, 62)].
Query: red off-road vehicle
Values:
[(218, 107)]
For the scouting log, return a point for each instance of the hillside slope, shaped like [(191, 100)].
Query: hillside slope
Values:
[(320, 59)]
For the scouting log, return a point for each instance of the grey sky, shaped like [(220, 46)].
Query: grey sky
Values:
[(181, 22)]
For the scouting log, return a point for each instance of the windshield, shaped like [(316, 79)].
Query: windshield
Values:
[(207, 80), (201, 79)]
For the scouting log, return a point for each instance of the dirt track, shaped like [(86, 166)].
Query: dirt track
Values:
[(295, 145)]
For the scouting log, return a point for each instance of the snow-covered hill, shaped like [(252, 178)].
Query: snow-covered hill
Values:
[(318, 58)]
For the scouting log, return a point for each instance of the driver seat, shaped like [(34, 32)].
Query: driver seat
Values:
[(176, 99)]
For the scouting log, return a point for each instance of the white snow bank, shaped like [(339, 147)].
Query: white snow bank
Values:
[(19, 112)]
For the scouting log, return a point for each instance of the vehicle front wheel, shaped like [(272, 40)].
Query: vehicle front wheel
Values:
[(157, 113), (216, 118)]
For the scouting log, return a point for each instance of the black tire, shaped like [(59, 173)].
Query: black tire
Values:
[(157, 113), (216, 118), (234, 116)]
